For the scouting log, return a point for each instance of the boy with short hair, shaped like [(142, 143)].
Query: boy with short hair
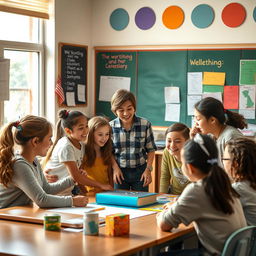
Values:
[(133, 143)]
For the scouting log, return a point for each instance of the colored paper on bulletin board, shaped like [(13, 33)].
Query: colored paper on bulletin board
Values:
[(213, 88), (247, 97), (247, 72), (216, 78), (231, 97)]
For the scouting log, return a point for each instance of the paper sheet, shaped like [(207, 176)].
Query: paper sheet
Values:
[(110, 84), (194, 82), (216, 95), (214, 78), (247, 97), (172, 112), (172, 94), (70, 98), (247, 75), (191, 101), (231, 97), (134, 213), (81, 92)]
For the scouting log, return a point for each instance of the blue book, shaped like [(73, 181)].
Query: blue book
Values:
[(126, 198)]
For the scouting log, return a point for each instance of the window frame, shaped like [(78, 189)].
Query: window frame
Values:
[(29, 47)]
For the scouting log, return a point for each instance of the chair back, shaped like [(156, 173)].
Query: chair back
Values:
[(242, 242)]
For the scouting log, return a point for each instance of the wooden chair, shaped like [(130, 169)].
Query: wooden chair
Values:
[(242, 242)]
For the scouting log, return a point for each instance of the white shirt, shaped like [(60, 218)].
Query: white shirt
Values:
[(64, 151)]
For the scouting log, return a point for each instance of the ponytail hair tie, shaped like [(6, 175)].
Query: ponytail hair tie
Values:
[(212, 161), (66, 113), (18, 126)]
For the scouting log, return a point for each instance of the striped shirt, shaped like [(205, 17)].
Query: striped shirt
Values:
[(131, 147)]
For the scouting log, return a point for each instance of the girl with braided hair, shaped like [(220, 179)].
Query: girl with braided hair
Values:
[(240, 163)]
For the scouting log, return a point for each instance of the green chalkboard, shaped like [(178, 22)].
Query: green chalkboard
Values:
[(157, 70), (153, 70), (118, 64)]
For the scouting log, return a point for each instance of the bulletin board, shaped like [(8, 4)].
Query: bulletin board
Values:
[(73, 73), (151, 70)]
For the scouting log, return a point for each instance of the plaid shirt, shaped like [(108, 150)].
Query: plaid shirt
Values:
[(131, 147)]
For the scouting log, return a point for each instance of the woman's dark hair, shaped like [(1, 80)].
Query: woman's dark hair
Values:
[(209, 107), (179, 127), (202, 153), (242, 153)]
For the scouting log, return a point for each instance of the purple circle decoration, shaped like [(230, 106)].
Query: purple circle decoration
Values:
[(145, 18)]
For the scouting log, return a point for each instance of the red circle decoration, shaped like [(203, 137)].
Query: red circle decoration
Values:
[(233, 15)]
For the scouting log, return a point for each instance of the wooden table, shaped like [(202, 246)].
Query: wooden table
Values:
[(19, 238)]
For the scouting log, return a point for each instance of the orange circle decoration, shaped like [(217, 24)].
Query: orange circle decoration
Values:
[(173, 17), (233, 15)]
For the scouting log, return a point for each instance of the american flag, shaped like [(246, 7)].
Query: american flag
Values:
[(59, 91)]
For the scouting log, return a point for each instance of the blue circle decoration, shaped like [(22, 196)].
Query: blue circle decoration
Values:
[(119, 19), (254, 14), (202, 16)]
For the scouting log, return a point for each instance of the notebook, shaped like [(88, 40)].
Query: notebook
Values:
[(31, 215)]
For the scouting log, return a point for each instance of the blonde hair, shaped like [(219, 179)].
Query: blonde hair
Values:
[(120, 97), (27, 128), (106, 151)]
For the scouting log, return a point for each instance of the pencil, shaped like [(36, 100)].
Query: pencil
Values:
[(97, 209)]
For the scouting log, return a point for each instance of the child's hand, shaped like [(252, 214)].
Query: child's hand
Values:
[(83, 172), (107, 187), (118, 176), (49, 177), (193, 131), (167, 206), (146, 176), (80, 201)]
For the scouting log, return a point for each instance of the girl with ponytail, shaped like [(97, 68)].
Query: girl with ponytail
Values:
[(21, 178), (209, 201), (211, 117)]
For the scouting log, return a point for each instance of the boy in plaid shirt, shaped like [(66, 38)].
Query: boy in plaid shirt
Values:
[(133, 143)]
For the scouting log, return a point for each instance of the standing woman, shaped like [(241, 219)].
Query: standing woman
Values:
[(223, 124)]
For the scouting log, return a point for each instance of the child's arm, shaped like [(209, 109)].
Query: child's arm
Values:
[(82, 179), (161, 223), (146, 175), (51, 178), (165, 173), (117, 175)]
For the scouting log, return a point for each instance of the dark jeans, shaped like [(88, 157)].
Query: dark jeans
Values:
[(132, 178)]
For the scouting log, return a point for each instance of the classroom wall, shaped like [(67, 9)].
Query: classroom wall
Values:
[(87, 22), (72, 24)]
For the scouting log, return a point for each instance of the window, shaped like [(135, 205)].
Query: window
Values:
[(20, 41)]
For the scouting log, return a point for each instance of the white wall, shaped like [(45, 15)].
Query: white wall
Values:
[(217, 33), (72, 21)]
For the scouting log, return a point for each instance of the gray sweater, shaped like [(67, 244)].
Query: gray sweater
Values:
[(212, 226), (248, 200), (29, 184)]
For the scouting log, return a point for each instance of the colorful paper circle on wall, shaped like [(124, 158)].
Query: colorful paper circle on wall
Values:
[(254, 14), (119, 19), (233, 15), (173, 17), (202, 16), (145, 18)]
